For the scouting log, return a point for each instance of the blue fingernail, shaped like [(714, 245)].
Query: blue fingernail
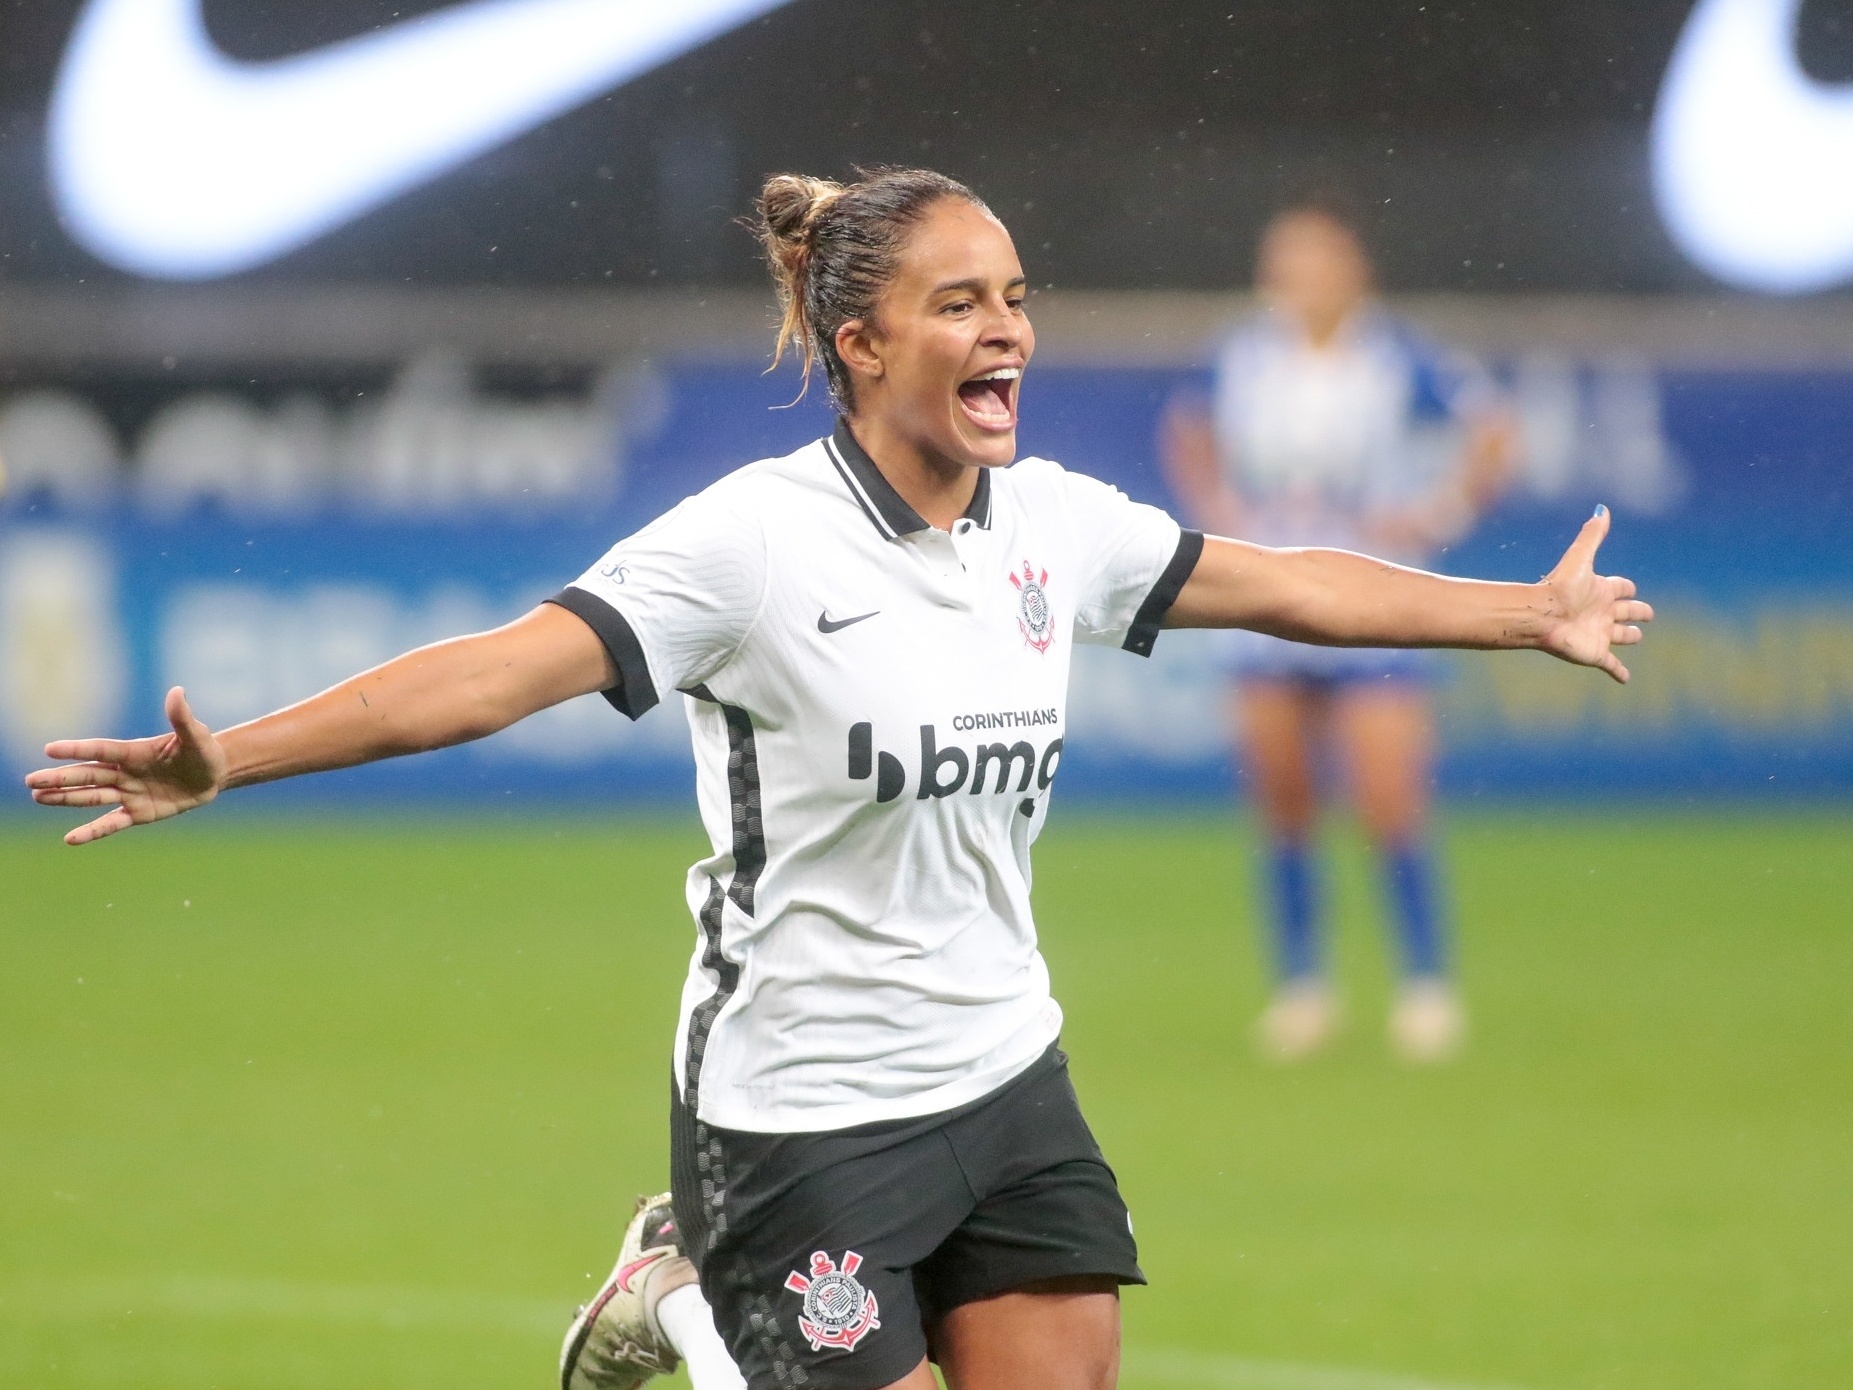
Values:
[(1601, 510)]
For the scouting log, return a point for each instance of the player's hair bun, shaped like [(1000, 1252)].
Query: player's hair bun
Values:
[(832, 249), (788, 208)]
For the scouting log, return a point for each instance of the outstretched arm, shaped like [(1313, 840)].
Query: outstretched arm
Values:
[(447, 693), (1338, 599)]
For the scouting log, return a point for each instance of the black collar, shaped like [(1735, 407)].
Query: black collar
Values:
[(892, 516)]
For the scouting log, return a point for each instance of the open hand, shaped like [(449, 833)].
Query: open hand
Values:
[(145, 779), (1592, 613)]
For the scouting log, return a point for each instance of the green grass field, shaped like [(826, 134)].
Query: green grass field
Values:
[(320, 1105)]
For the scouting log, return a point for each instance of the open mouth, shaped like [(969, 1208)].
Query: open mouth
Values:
[(990, 400)]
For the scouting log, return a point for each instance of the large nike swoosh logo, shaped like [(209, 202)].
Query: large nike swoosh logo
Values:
[(1752, 159), (169, 159)]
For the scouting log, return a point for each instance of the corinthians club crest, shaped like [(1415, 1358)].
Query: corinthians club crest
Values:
[(1033, 614), (838, 1311)]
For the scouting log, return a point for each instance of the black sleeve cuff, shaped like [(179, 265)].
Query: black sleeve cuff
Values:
[(635, 693), (1144, 630)]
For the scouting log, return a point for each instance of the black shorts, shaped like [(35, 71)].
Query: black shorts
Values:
[(827, 1256)]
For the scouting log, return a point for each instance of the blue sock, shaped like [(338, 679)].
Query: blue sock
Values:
[(1294, 900), (1415, 901)]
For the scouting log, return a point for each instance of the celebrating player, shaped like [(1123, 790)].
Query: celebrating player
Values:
[(1311, 438), (876, 1152)]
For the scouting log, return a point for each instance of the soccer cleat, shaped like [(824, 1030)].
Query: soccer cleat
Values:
[(615, 1342), (1428, 1023), (1300, 1020)]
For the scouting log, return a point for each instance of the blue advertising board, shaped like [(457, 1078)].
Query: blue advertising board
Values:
[(1733, 493)]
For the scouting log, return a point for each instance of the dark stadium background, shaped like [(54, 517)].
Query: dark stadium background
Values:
[(1497, 146), (353, 1081)]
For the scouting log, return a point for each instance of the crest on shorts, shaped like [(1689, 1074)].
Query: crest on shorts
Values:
[(838, 1311), (1034, 616)]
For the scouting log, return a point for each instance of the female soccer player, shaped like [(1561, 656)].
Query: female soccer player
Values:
[(1311, 437), (876, 1153)]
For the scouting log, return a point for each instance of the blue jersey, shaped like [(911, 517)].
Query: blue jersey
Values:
[(1314, 441), (1317, 441)]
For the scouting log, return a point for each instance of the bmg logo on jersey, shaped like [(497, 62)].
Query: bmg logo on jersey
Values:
[(945, 770)]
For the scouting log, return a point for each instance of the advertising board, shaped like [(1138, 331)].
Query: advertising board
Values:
[(1733, 493)]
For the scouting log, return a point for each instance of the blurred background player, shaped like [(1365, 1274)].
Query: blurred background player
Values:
[(1320, 430)]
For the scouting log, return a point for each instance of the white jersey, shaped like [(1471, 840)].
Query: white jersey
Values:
[(877, 710), (1318, 440)]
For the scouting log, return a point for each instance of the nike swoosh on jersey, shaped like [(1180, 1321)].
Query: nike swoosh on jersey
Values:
[(825, 623), (169, 159), (1750, 153)]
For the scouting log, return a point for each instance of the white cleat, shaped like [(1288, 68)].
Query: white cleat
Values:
[(1300, 1020), (1428, 1023), (615, 1342)]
